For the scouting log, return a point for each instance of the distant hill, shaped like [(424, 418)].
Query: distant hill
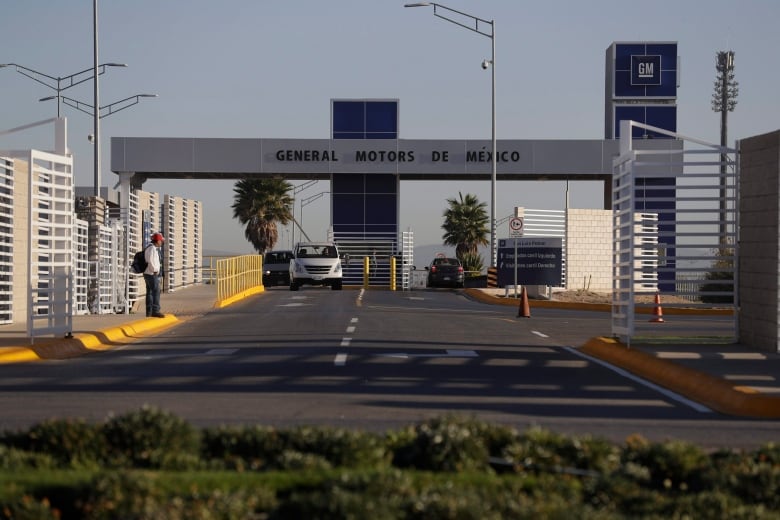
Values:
[(217, 252)]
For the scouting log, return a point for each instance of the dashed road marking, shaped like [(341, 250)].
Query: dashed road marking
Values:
[(340, 360)]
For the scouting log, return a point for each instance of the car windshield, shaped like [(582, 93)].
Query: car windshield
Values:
[(313, 251), (277, 258), (446, 261)]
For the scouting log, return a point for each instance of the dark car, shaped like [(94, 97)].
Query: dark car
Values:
[(445, 272), (276, 268)]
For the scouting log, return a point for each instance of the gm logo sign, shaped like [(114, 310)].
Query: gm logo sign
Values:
[(645, 70)]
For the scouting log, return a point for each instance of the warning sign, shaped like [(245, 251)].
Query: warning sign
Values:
[(515, 227)]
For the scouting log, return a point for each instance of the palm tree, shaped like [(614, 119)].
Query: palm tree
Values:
[(465, 225), (260, 204)]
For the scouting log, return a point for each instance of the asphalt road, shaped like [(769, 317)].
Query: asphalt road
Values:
[(374, 360)]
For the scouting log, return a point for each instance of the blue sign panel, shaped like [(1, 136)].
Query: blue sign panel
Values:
[(538, 262), (364, 119), (661, 116), (645, 70)]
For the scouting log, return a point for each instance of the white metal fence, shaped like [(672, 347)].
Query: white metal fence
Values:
[(696, 259)]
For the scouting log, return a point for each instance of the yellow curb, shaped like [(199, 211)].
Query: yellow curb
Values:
[(17, 355), (480, 296), (711, 391), (84, 342), (240, 296)]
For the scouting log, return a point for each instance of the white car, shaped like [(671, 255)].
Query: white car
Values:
[(315, 263)]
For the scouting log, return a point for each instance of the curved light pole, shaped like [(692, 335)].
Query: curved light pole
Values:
[(108, 109), (305, 202), (61, 83), (478, 26)]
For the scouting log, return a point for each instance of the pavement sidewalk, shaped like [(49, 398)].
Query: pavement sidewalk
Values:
[(93, 332), (732, 379)]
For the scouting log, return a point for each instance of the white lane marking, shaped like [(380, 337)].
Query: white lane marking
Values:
[(450, 353), (345, 342), (353, 320), (340, 360), (294, 304), (221, 351), (350, 330), (539, 334), (462, 353), (416, 298), (671, 395)]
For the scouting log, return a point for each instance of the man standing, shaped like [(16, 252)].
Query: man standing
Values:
[(152, 276)]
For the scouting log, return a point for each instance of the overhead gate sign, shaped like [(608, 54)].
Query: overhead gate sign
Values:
[(530, 261)]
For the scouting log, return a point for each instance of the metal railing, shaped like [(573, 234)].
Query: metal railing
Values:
[(238, 277)]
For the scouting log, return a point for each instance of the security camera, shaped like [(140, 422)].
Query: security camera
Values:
[(91, 138), (485, 64)]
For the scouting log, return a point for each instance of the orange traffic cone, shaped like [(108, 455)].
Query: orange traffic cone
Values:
[(523, 310), (658, 313)]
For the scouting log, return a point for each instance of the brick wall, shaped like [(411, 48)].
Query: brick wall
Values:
[(759, 264), (589, 250)]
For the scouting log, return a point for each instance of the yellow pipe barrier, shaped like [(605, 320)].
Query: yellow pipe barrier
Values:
[(366, 271), (392, 273), (238, 277)]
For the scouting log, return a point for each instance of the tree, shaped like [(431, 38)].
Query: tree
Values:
[(465, 227), (721, 278), (259, 204)]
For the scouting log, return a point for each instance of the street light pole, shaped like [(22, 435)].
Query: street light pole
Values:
[(56, 83), (478, 27), (96, 104), (107, 109)]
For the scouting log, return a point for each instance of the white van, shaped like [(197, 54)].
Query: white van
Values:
[(315, 263)]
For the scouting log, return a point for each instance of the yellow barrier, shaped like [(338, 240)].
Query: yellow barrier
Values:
[(392, 273), (238, 277)]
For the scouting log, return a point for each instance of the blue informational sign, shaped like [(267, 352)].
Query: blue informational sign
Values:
[(536, 260)]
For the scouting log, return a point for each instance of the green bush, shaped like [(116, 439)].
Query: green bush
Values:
[(242, 448), (539, 450), (340, 447), (263, 448), (674, 466), (28, 508), (71, 443), (131, 495), (442, 444), (12, 459), (151, 438), (443, 468)]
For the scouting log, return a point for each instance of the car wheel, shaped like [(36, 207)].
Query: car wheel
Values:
[(336, 286), (293, 286)]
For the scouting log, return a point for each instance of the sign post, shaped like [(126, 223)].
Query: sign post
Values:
[(516, 231)]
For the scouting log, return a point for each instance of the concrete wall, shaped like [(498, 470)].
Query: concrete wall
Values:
[(21, 231), (759, 193), (589, 250)]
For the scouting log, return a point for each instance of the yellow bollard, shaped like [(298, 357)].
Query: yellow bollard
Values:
[(366, 272), (392, 273)]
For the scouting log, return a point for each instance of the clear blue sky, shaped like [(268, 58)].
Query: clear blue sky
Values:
[(252, 68)]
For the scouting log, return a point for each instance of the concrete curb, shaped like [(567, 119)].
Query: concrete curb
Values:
[(711, 391), (84, 342), (480, 296)]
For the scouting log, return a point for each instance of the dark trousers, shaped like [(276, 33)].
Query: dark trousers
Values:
[(152, 294)]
